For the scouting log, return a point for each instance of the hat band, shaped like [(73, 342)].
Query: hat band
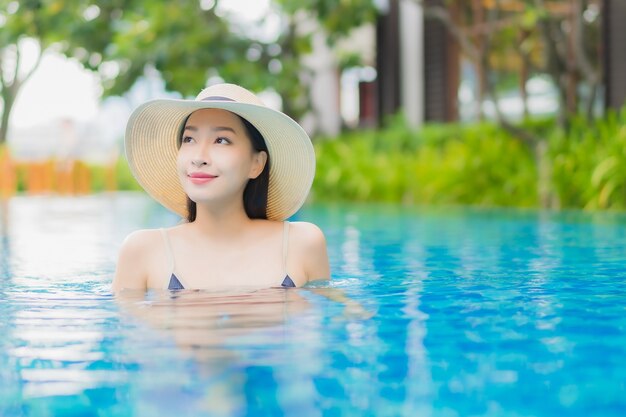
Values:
[(217, 98)]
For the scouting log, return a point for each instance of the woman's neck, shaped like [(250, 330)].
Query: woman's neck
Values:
[(221, 222)]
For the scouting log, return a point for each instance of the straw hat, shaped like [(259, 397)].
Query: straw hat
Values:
[(151, 147)]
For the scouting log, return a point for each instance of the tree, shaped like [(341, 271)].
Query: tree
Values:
[(186, 41), (58, 25), (189, 41), (119, 39)]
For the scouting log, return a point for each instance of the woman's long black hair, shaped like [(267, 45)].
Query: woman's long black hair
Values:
[(255, 193)]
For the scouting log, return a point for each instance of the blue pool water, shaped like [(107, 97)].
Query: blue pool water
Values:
[(449, 312)]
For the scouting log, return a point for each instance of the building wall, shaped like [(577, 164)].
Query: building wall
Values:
[(412, 61), (615, 53)]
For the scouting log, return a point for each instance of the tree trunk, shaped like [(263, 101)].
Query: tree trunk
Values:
[(570, 64), (524, 74), (8, 98), (10, 88), (481, 71), (544, 176)]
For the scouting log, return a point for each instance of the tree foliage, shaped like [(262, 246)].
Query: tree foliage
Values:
[(186, 41), (337, 17), (60, 25)]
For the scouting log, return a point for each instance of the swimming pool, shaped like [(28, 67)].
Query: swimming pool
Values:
[(461, 312)]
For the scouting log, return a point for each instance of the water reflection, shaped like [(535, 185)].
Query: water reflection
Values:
[(50, 241), (235, 338), (5, 249), (207, 324)]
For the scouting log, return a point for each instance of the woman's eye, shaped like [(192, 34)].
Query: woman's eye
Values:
[(222, 141), (187, 139)]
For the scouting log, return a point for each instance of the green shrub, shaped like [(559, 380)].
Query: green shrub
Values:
[(124, 178), (442, 164), (589, 163)]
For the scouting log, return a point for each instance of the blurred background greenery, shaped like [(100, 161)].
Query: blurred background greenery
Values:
[(481, 102)]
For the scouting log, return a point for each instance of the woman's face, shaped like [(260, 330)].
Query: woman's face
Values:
[(216, 158)]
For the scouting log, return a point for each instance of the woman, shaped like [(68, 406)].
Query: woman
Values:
[(236, 170)]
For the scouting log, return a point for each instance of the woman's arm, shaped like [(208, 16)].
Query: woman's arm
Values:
[(131, 271), (352, 309)]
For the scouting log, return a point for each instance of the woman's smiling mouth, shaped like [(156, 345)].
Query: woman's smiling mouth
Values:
[(200, 177)]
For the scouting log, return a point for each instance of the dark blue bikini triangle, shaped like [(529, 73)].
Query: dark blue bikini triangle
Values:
[(288, 282), (175, 284)]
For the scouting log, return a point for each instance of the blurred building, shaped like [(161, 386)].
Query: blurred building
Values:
[(392, 53), (614, 15), (419, 65)]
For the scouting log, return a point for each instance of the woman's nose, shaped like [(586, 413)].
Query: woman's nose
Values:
[(198, 162), (201, 156)]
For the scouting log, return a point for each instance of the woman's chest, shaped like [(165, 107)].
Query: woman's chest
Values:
[(264, 265), (233, 268)]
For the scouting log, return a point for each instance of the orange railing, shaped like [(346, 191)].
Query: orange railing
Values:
[(50, 176), (8, 175)]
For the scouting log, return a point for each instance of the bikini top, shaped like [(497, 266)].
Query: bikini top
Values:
[(175, 284)]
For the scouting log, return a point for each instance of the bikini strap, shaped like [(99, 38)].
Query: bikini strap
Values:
[(168, 249), (285, 245)]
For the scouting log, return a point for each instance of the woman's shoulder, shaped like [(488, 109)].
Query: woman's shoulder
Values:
[(306, 234), (141, 239), (135, 256), (308, 242)]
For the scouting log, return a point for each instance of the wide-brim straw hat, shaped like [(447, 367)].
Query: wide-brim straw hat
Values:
[(154, 128)]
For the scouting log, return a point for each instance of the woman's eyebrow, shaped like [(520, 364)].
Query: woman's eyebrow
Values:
[(215, 129), (220, 128)]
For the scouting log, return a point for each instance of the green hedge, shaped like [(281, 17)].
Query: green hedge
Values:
[(477, 164), (439, 164), (125, 180), (589, 163)]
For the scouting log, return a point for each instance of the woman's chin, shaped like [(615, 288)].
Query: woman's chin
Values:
[(198, 195), (200, 200), (207, 200)]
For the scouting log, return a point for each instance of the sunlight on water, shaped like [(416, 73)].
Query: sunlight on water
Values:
[(61, 238)]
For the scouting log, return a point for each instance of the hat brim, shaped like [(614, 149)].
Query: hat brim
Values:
[(151, 150)]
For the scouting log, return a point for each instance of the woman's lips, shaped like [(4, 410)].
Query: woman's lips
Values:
[(200, 177)]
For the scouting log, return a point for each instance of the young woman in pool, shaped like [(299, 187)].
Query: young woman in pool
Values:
[(235, 170)]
